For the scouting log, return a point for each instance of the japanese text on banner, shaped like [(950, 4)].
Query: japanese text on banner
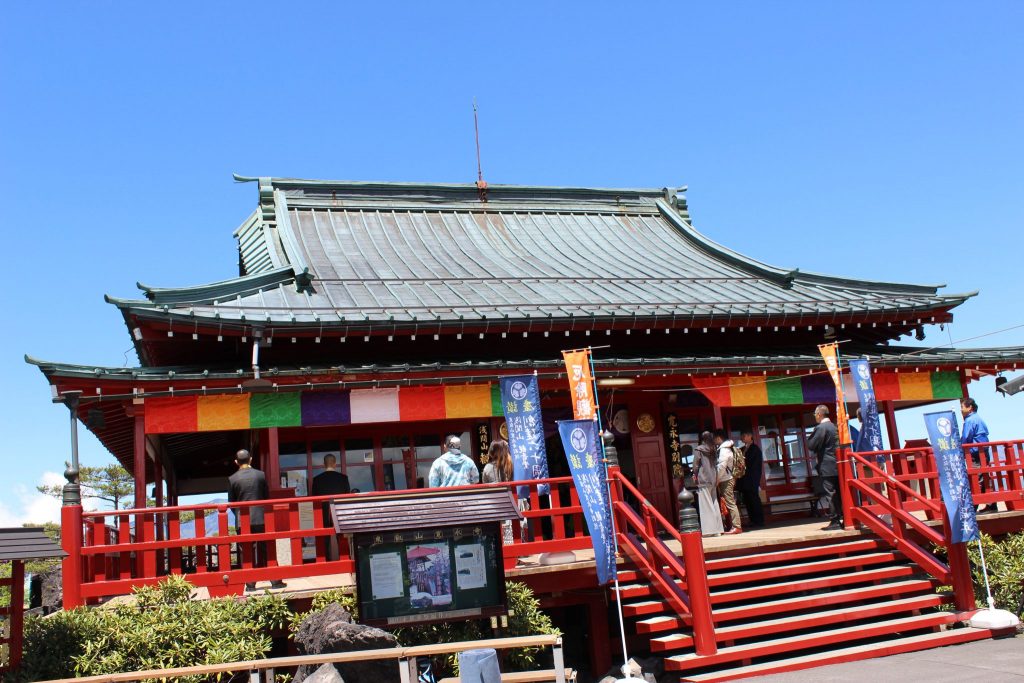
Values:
[(579, 439), (944, 435), (581, 383), (520, 400)]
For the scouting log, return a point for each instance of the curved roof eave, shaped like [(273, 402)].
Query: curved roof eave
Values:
[(787, 276), (222, 289)]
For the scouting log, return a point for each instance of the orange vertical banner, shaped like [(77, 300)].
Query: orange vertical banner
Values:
[(581, 384), (830, 352)]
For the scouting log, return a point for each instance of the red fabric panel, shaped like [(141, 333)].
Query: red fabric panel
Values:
[(887, 386), (716, 389), (421, 403), (172, 415)]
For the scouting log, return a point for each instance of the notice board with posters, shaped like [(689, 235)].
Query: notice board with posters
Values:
[(427, 556), (418, 577)]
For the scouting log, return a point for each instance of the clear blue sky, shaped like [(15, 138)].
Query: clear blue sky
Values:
[(874, 139)]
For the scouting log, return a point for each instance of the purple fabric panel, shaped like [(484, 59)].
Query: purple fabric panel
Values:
[(325, 408), (818, 389)]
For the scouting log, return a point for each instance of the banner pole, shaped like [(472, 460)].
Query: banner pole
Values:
[(615, 537)]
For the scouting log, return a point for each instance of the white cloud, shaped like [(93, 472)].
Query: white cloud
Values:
[(26, 505)]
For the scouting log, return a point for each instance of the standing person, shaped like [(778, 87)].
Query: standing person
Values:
[(453, 468), (823, 443), (499, 469), (976, 431), (705, 469), (248, 484), (749, 485), (327, 483), (726, 484)]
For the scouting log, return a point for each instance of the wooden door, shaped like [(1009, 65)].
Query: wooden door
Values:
[(649, 458)]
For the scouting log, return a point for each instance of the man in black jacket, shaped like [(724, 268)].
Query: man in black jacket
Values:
[(330, 482), (823, 442), (749, 484), (248, 484)]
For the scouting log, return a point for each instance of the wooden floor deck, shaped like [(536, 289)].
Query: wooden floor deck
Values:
[(779, 533)]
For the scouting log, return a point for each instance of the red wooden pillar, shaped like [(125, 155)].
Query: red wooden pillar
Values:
[(272, 467), (139, 464), (890, 425), (600, 638), (71, 567), (16, 615)]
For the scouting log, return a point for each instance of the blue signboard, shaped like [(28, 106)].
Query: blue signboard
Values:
[(944, 435), (520, 400), (870, 436), (582, 450)]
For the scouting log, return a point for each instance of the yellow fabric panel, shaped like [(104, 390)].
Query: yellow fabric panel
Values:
[(218, 413), (471, 400), (915, 385), (748, 391)]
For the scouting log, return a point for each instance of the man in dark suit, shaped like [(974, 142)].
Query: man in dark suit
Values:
[(327, 483), (249, 484), (749, 484), (823, 442)]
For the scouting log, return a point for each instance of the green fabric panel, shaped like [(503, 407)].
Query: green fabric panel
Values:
[(784, 391), (275, 410), (496, 409), (946, 384)]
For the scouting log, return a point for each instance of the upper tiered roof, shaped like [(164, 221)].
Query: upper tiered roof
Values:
[(318, 257)]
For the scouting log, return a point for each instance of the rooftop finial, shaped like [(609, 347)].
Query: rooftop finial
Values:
[(481, 184)]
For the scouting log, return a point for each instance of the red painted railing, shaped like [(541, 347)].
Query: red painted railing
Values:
[(113, 551), (883, 490)]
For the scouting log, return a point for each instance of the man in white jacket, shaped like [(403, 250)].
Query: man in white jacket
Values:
[(726, 483)]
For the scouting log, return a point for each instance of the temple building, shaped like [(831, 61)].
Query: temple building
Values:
[(369, 320)]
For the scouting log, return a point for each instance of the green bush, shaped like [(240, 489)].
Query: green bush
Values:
[(1005, 562), (162, 628)]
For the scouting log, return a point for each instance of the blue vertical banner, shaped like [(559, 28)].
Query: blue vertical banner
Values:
[(582, 450), (944, 435), (520, 401), (870, 438)]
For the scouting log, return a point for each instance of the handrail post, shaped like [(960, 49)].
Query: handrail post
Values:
[(71, 566), (696, 576), (845, 489), (959, 570)]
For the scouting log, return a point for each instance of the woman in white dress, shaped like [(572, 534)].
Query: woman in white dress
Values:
[(705, 469)]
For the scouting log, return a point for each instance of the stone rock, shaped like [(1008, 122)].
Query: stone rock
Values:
[(650, 678), (332, 630), (52, 590), (325, 674)]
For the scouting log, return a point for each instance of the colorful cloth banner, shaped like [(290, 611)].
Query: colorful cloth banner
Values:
[(944, 435), (187, 414), (870, 437), (581, 383), (792, 390), (520, 398), (830, 352), (582, 450)]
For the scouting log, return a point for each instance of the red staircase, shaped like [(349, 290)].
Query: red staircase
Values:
[(798, 607)]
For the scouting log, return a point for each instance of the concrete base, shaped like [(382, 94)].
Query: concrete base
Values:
[(994, 619), (563, 557)]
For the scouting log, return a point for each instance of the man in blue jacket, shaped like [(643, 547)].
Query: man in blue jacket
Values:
[(976, 431), (453, 468)]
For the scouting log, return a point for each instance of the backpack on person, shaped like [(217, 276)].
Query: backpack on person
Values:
[(739, 463)]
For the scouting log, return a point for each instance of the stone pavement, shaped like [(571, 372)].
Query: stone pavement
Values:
[(983, 661)]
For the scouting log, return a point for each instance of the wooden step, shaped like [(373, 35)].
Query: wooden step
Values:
[(799, 622), (796, 554), (810, 641), (815, 568), (926, 641), (644, 607), (664, 622), (748, 593)]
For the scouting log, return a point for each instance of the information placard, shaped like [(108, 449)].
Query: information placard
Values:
[(424, 576)]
